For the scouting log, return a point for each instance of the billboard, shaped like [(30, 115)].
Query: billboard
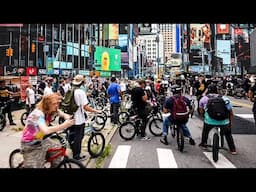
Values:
[(113, 31), (123, 42), (224, 51), (222, 28), (200, 36), (252, 48), (107, 59)]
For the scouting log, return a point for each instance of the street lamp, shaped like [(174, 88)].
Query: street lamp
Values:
[(91, 51), (157, 59)]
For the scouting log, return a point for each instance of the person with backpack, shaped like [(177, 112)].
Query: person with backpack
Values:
[(216, 111), (178, 106), (77, 130)]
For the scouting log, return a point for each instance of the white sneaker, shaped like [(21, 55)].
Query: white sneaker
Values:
[(145, 138)]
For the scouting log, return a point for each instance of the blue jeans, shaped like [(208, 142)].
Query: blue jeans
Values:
[(167, 122)]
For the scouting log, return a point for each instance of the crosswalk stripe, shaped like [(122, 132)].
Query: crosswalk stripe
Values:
[(246, 116), (120, 157), (166, 158), (221, 163)]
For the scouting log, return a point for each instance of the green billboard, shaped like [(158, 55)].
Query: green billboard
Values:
[(107, 59)]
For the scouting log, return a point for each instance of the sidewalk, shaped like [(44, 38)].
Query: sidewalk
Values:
[(10, 140)]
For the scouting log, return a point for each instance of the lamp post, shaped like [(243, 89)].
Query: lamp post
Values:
[(157, 59), (91, 50)]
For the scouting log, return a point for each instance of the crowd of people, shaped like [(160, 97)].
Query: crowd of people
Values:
[(141, 91)]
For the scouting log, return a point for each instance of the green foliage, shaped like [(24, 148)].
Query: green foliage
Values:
[(106, 152)]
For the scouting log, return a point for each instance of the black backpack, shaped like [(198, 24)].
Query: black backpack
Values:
[(68, 105), (216, 108)]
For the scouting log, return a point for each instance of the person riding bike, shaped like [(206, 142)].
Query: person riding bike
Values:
[(139, 99), (33, 146), (169, 107), (209, 122)]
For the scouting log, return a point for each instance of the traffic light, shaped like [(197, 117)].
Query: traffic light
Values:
[(7, 52), (10, 52), (33, 48)]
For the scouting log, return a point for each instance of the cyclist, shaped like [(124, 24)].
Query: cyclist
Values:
[(168, 107), (209, 122), (139, 99), (33, 145)]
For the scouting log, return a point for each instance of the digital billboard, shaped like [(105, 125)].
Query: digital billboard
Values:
[(222, 28), (107, 59), (200, 36), (224, 50)]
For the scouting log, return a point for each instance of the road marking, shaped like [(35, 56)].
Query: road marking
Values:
[(246, 116), (120, 157), (241, 104), (221, 163), (166, 158)]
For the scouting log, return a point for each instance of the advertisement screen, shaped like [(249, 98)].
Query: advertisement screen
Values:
[(113, 31), (107, 59), (222, 28), (200, 36), (224, 50)]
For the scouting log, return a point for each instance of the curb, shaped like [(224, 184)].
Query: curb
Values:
[(90, 162)]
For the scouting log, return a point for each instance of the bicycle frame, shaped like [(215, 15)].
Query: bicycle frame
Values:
[(61, 152)]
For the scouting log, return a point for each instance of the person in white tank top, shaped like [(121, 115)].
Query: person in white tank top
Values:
[(30, 98)]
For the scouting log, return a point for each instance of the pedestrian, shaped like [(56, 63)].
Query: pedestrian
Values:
[(30, 98), (33, 146), (114, 93), (76, 131)]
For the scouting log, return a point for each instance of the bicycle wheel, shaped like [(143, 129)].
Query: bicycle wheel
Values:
[(68, 163), (215, 147), (23, 118), (96, 144), (155, 127), (99, 123), (180, 139), (127, 130), (16, 159), (123, 117)]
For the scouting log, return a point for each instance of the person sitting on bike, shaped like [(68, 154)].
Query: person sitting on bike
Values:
[(139, 99), (33, 146), (168, 120), (210, 123), (5, 95)]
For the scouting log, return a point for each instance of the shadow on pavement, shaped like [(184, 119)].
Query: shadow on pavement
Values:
[(243, 126)]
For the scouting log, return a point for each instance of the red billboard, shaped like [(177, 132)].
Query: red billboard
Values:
[(31, 71), (222, 28)]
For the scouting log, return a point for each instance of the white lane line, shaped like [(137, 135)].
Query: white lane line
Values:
[(120, 157), (166, 158), (223, 162), (246, 116)]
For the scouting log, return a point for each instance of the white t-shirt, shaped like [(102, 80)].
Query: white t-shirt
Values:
[(47, 90), (31, 95), (81, 100)]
